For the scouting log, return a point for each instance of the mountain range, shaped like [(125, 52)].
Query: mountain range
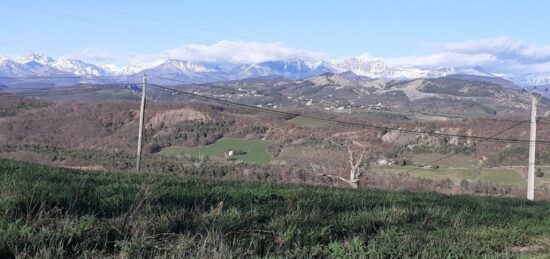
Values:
[(39, 65)]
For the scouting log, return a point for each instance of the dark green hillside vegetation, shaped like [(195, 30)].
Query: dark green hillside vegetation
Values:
[(49, 212)]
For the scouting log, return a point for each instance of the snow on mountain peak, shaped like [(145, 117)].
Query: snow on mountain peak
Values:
[(78, 67), (373, 68), (9, 67), (184, 66), (36, 57), (363, 66)]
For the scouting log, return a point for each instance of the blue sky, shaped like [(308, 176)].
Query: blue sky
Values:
[(393, 30)]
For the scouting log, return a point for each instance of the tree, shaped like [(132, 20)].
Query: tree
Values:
[(354, 157)]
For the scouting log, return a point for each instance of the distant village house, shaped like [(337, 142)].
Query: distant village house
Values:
[(228, 153)]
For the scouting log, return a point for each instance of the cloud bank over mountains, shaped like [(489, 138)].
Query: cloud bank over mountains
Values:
[(233, 52), (504, 57), (499, 55)]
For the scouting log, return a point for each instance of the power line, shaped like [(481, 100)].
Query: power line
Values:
[(219, 87), (155, 19), (482, 139), (465, 117), (297, 114), (199, 84), (64, 77), (49, 88), (469, 147), (136, 29), (440, 115), (63, 92), (355, 124)]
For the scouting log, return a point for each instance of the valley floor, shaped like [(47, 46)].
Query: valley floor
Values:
[(54, 212)]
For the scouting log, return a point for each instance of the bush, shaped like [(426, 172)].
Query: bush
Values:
[(239, 152), (539, 173)]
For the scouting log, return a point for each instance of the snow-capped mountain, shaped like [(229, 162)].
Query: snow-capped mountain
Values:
[(175, 66), (78, 67), (251, 70), (183, 70), (378, 69), (34, 59), (361, 68), (10, 67), (473, 71), (37, 64), (129, 69), (292, 69), (365, 67)]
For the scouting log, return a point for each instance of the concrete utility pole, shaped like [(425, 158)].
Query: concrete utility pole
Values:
[(532, 142), (141, 119)]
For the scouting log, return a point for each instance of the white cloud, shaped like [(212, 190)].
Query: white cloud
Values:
[(501, 55), (494, 45), (444, 59), (233, 52), (503, 48), (96, 56)]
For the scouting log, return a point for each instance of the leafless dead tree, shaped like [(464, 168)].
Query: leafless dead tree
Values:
[(354, 161)]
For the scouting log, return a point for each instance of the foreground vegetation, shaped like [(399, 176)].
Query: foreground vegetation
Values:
[(52, 212)]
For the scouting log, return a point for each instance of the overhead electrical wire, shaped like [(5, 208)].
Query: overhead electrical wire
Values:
[(468, 147), (440, 115), (212, 85), (209, 98), (140, 30), (159, 20), (135, 29), (64, 77), (480, 139), (62, 92), (355, 124), (229, 45)]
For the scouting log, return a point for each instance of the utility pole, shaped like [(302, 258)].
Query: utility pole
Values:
[(141, 119), (532, 142)]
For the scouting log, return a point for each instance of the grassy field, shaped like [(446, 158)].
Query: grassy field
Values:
[(61, 213), (492, 175), (458, 168), (453, 161), (307, 122), (256, 150)]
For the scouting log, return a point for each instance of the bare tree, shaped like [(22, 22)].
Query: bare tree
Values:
[(354, 161)]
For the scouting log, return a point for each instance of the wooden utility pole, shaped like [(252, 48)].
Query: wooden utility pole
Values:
[(532, 149), (141, 119)]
